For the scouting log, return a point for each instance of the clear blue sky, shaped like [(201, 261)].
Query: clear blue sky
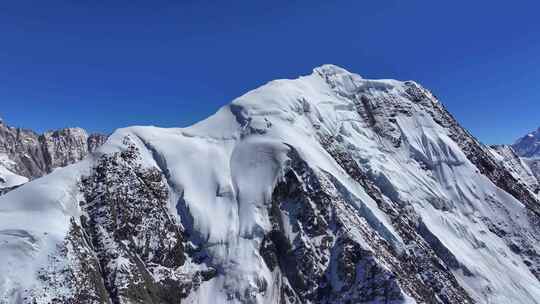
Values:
[(108, 64)]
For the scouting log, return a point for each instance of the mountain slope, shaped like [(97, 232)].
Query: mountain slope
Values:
[(528, 148), (8, 179), (329, 188), (521, 168)]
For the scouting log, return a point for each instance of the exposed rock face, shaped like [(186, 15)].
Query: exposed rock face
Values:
[(336, 256), (125, 247), (534, 165), (35, 155), (329, 188), (63, 147), (94, 141)]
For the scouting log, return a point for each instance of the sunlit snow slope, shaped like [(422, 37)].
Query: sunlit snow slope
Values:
[(329, 188), (8, 179), (522, 168)]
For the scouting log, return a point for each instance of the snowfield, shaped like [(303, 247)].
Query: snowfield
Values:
[(351, 182), (8, 179)]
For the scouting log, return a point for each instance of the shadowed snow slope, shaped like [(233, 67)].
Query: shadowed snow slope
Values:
[(529, 145), (329, 188), (528, 148)]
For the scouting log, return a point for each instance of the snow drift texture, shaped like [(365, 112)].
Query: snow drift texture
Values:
[(329, 188)]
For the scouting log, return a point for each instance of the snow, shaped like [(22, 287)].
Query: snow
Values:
[(519, 167), (8, 179), (223, 170), (33, 220), (529, 145)]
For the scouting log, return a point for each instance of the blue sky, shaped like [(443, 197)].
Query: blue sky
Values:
[(103, 65)]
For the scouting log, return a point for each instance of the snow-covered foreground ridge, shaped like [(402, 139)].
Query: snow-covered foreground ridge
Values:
[(329, 188)]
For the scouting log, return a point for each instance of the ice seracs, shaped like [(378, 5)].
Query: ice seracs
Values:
[(329, 188)]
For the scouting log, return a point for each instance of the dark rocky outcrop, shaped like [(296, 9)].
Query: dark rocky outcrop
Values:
[(126, 247)]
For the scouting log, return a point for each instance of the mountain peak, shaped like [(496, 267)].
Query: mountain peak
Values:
[(331, 69), (529, 145), (535, 133)]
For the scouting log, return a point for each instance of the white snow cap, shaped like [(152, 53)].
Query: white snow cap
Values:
[(330, 69)]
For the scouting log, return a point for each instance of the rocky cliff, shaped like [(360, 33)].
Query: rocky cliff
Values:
[(30, 155)]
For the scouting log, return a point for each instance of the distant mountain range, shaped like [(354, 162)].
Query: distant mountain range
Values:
[(26, 155), (529, 145)]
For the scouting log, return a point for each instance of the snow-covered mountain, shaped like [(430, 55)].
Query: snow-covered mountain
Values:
[(329, 188), (523, 169), (528, 148), (24, 154), (529, 145)]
